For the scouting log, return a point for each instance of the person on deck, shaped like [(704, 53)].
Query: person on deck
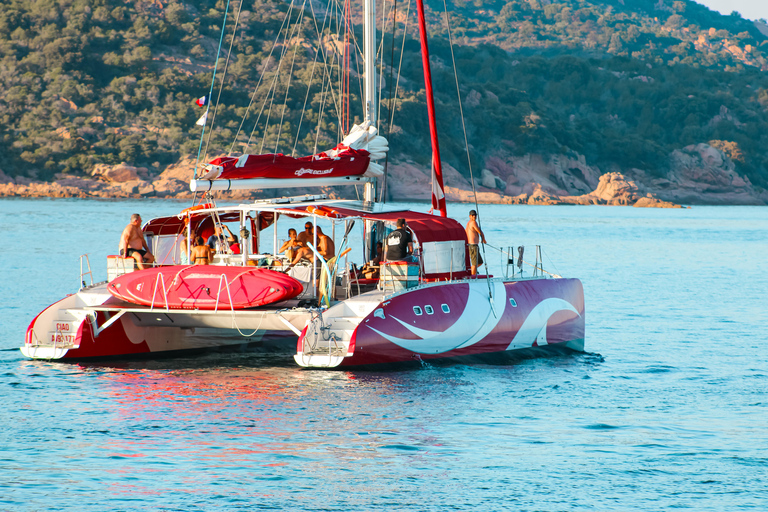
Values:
[(474, 234), (307, 235), (400, 244), (234, 245), (291, 245), (218, 242), (201, 252), (325, 247), (134, 245)]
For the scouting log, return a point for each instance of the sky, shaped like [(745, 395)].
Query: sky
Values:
[(750, 9)]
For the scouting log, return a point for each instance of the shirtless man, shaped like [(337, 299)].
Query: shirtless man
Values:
[(134, 245), (325, 247), (307, 235), (474, 234)]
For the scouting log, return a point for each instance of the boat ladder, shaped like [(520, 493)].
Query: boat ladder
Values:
[(327, 340), (83, 273)]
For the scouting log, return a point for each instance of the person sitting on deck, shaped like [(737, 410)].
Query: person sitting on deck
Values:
[(292, 245), (400, 244), (325, 247), (134, 245), (201, 253), (371, 269), (307, 235)]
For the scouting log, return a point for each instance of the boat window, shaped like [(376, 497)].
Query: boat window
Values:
[(417, 310), (429, 310), (445, 308), (513, 303)]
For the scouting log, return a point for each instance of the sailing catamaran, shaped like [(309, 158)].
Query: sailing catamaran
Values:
[(428, 307)]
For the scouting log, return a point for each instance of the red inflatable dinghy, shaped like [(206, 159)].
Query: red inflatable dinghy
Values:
[(198, 286)]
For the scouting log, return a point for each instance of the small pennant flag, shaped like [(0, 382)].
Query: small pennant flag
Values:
[(203, 119), (202, 101)]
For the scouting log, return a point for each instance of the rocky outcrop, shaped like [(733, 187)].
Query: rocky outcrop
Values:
[(698, 174), (701, 174)]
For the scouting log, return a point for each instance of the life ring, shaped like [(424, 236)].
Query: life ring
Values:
[(324, 211), (191, 209)]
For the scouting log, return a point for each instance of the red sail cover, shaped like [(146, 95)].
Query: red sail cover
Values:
[(345, 162)]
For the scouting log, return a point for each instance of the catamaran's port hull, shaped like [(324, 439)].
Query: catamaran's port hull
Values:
[(90, 325)]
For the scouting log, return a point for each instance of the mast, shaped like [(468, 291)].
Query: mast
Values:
[(369, 73), (438, 196)]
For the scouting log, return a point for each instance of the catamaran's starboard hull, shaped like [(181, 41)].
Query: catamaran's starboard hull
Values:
[(90, 325), (457, 320)]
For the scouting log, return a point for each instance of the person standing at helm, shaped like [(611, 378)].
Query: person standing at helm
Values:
[(134, 245), (399, 244), (474, 234)]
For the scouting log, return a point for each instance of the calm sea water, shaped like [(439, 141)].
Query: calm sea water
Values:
[(666, 410)]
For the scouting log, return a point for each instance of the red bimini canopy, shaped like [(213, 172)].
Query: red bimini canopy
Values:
[(427, 228), (339, 162)]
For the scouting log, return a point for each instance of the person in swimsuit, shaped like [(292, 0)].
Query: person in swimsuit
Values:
[(201, 253), (134, 245), (474, 234), (291, 245), (325, 247)]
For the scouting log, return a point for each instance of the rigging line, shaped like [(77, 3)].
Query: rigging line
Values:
[(210, 93), (263, 105), (327, 85), (383, 196), (327, 71), (277, 76), (393, 100), (274, 77), (272, 91), (258, 84), (270, 95), (466, 143), (380, 50), (360, 82), (320, 113), (223, 77), (320, 38), (309, 80), (299, 20), (400, 66)]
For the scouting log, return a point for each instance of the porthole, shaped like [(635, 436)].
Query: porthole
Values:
[(429, 310), (417, 310), (513, 303), (445, 308)]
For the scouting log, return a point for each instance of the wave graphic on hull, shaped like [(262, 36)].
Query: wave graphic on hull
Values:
[(465, 331), (535, 326)]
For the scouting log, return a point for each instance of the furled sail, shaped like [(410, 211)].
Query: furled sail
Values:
[(354, 156)]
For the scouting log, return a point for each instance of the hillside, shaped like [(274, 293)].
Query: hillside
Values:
[(619, 87)]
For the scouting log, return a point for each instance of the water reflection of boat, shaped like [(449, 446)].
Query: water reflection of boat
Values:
[(430, 307)]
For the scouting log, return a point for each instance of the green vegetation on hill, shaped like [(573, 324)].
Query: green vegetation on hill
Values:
[(102, 81)]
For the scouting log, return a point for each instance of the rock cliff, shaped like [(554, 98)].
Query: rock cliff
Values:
[(698, 174)]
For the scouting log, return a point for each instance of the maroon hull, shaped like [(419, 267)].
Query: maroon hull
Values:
[(464, 322)]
